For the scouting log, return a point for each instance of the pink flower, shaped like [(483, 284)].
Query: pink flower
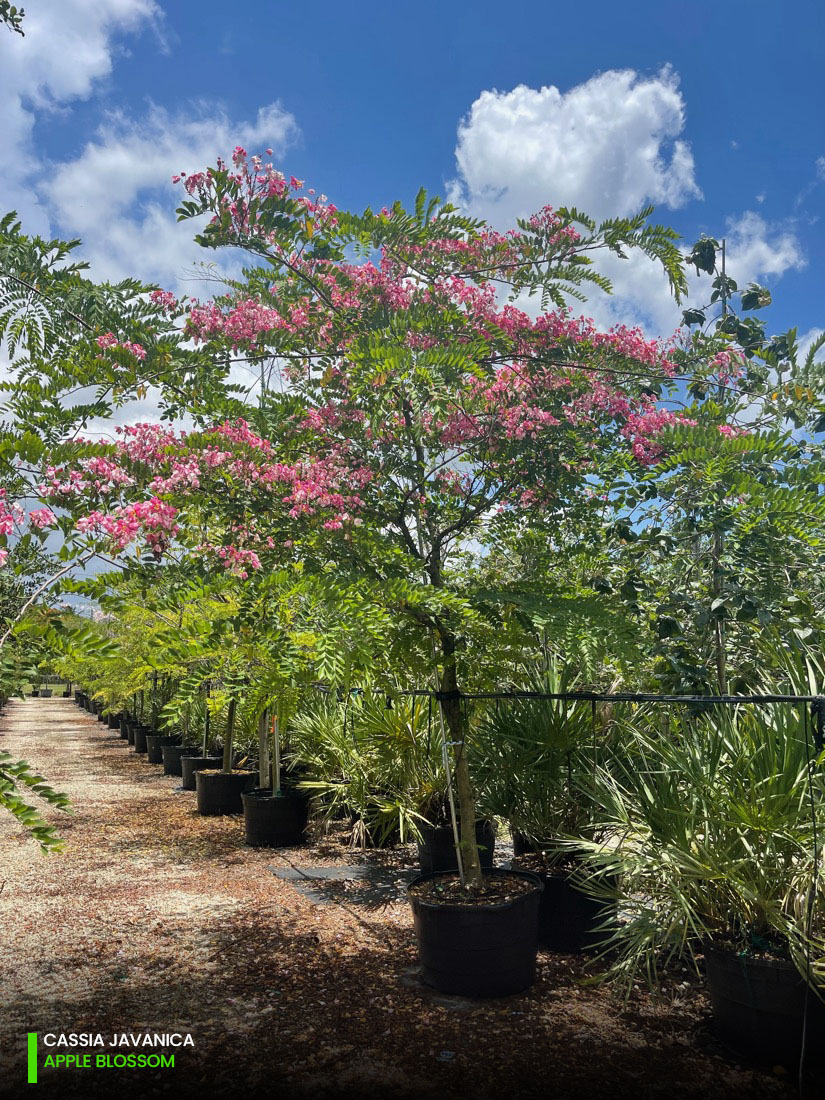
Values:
[(163, 298), (42, 517), (137, 350)]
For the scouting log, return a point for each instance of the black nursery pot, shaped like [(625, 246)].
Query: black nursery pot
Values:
[(277, 822), (522, 845), (35, 695), (436, 849), (570, 919), (141, 733), (478, 950), (125, 726), (114, 721), (154, 746), (220, 792), (172, 753), (759, 1007), (189, 765)]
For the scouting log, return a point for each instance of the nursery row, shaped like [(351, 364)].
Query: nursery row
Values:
[(640, 834)]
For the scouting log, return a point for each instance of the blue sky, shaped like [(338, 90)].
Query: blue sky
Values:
[(713, 111)]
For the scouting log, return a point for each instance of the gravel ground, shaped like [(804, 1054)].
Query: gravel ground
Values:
[(156, 919)]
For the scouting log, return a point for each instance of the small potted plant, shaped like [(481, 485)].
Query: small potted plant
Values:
[(377, 760), (173, 750), (195, 757), (276, 812), (219, 792), (717, 819)]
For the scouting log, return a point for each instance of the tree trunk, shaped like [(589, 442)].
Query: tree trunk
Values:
[(229, 736), (719, 626), (456, 721), (276, 754), (206, 730), (263, 748)]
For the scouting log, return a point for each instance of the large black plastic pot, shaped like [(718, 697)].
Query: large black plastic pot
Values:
[(154, 746), (189, 765), (45, 693), (220, 792), (277, 822), (141, 733), (759, 1006), (436, 849), (478, 950), (571, 919), (114, 721), (172, 753), (125, 726)]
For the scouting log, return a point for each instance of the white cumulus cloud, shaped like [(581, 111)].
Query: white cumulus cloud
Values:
[(118, 196), (68, 48), (607, 146)]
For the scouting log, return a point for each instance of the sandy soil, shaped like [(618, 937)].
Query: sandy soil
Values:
[(157, 919)]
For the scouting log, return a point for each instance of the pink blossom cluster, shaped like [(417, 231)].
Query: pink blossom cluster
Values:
[(12, 515), (109, 340), (40, 518), (153, 520), (165, 299), (95, 474), (139, 443), (642, 428), (727, 365), (252, 181), (145, 442), (13, 520), (234, 558), (242, 324), (489, 254)]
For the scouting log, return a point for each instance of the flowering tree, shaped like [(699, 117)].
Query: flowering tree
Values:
[(422, 415)]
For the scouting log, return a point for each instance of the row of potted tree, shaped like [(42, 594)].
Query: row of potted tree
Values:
[(640, 834)]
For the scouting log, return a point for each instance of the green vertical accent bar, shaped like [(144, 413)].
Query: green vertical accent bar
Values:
[(32, 1079)]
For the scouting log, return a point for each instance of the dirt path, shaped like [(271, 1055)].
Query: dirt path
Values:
[(157, 919)]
